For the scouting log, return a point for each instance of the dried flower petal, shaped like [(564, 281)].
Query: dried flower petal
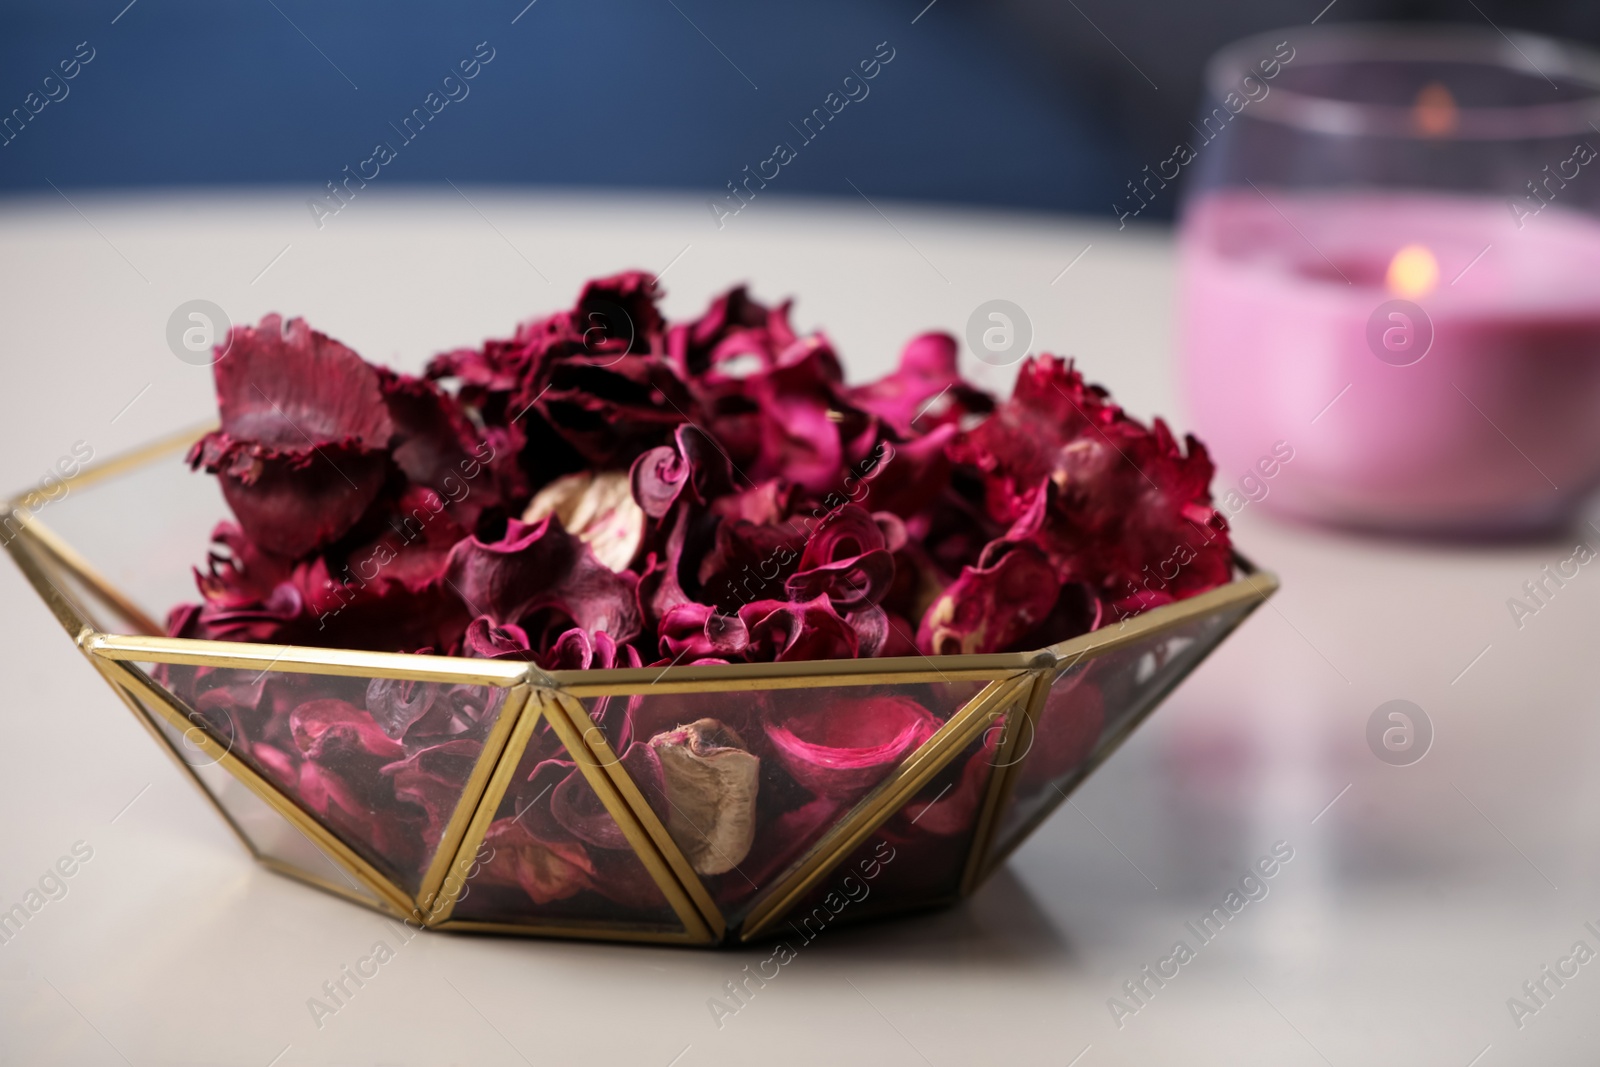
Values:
[(301, 452), (847, 746), (331, 728), (542, 568), (374, 508), (782, 631), (693, 463), (847, 558), (546, 871), (988, 609), (396, 703), (926, 391), (434, 780)]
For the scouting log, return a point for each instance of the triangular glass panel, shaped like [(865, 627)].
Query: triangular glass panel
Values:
[(555, 858), (381, 763), (1091, 708), (270, 834)]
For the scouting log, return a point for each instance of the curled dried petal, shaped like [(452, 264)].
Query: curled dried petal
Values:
[(693, 463), (988, 609), (845, 747), (782, 631), (542, 567), (396, 703)]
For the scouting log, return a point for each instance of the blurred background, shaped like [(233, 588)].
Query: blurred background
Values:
[(1016, 103)]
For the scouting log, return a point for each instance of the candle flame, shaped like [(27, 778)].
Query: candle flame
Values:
[(1413, 272), (1435, 113)]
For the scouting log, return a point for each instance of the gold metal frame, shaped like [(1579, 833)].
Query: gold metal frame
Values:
[(1015, 686)]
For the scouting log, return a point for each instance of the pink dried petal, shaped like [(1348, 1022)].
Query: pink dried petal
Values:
[(873, 630), (577, 807), (845, 747), (486, 640), (278, 764), (355, 807), (733, 326), (925, 392), (780, 842), (622, 879), (954, 810), (1069, 726), (989, 609), (301, 451), (906, 477), (436, 446), (781, 631), (697, 630), (749, 561), (573, 651), (546, 871), (845, 558), (693, 464), (282, 384)]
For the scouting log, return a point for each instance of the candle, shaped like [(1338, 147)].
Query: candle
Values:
[(1432, 360)]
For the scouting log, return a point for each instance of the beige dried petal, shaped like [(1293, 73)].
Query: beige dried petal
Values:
[(711, 785), (596, 508)]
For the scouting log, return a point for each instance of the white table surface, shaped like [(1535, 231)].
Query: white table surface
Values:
[(1413, 908)]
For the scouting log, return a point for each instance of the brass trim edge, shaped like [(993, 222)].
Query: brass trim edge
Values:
[(445, 855), (611, 932), (643, 847), (1003, 779), (438, 911), (300, 659), (606, 756)]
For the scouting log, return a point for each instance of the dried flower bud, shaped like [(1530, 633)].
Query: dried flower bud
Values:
[(711, 782)]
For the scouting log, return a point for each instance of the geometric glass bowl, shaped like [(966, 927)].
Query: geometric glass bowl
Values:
[(525, 819)]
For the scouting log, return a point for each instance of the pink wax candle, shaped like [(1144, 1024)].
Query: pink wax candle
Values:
[(1496, 428)]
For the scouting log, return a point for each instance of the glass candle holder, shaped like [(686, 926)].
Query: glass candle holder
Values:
[(1390, 276)]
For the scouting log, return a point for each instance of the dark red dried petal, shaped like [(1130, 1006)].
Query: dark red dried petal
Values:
[(542, 567), (330, 728), (845, 747), (485, 639), (988, 609), (434, 779), (782, 631)]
